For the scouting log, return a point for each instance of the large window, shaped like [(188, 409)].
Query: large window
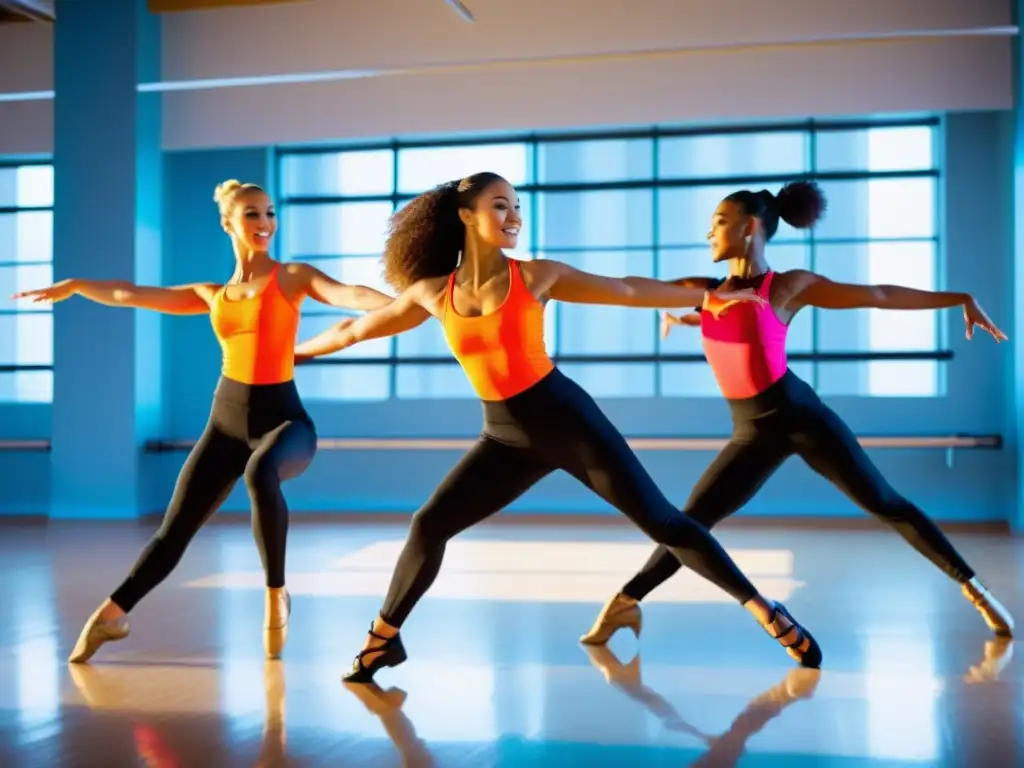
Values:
[(26, 261), (640, 203)]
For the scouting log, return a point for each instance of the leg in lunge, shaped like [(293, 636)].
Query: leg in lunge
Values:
[(604, 462), (491, 476), (737, 473), (211, 470), (830, 448)]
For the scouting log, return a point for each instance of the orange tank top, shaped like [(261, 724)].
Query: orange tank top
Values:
[(502, 352), (257, 334)]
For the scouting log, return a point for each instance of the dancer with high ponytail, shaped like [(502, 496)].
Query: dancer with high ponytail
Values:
[(536, 420), (258, 428), (775, 414)]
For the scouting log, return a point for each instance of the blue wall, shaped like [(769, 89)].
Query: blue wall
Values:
[(981, 486), (25, 484)]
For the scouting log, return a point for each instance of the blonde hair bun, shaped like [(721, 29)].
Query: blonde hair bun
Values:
[(225, 190)]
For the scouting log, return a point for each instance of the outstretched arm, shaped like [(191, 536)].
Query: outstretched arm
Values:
[(817, 291), (179, 300), (329, 291), (573, 285), (402, 314)]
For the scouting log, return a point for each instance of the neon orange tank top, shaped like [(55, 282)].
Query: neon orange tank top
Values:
[(257, 334), (502, 352)]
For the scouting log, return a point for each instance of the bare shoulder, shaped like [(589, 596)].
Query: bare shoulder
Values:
[(299, 272), (539, 274), (794, 281), (795, 278), (297, 268), (788, 286), (428, 293), (206, 291)]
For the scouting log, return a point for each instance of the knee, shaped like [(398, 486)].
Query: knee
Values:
[(893, 508), (704, 515), (167, 548), (261, 475), (173, 534), (886, 503), (678, 531), (425, 532)]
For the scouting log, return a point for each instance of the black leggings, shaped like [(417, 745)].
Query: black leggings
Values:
[(789, 418), (553, 425), (259, 432)]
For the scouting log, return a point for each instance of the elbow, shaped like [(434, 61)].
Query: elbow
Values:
[(122, 297), (880, 297), (367, 299), (363, 298), (348, 332), (628, 293)]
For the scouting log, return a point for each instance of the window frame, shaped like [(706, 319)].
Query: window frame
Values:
[(812, 129), (9, 368)]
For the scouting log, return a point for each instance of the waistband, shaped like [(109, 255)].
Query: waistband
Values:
[(545, 403), (787, 392), (552, 382), (258, 396)]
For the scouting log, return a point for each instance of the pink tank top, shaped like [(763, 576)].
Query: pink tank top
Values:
[(745, 343)]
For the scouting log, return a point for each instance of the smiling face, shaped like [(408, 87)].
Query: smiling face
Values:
[(252, 220), (730, 227), (495, 218)]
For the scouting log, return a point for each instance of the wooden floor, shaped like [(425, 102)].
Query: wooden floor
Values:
[(495, 676)]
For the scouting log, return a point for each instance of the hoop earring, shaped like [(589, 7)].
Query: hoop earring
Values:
[(458, 259)]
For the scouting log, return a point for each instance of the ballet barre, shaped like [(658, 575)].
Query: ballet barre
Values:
[(25, 446), (949, 443), (637, 443), (447, 361)]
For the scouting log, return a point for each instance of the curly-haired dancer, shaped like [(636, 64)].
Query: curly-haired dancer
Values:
[(536, 420), (775, 414)]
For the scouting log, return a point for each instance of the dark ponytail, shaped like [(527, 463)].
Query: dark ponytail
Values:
[(425, 237), (801, 204)]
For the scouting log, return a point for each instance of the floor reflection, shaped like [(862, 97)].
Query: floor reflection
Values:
[(169, 715), (723, 751), (909, 681), (387, 706), (161, 702)]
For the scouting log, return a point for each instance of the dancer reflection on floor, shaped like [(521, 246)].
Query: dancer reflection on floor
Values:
[(724, 751)]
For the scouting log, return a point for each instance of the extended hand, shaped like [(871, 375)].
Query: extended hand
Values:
[(65, 289), (667, 321), (974, 315)]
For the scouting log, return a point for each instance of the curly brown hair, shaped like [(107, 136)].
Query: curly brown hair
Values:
[(425, 237), (800, 204)]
